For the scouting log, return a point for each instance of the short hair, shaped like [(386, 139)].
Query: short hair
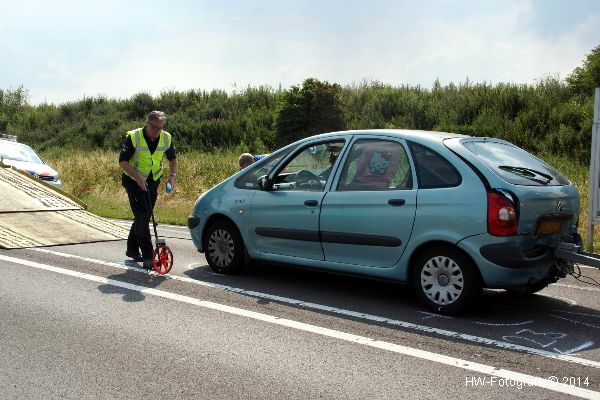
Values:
[(156, 116), (246, 159)]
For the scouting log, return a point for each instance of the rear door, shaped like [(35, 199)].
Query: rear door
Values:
[(367, 217)]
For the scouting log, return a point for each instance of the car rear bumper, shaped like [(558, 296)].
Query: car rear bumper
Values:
[(503, 265), (510, 255)]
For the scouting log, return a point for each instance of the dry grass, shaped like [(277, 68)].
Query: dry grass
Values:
[(95, 178)]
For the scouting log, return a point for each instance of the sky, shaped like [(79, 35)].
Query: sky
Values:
[(62, 51)]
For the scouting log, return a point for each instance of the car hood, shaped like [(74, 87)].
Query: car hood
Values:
[(32, 168)]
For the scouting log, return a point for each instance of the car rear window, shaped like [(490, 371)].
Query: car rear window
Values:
[(515, 165)]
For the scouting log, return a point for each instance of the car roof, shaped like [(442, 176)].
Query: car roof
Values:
[(12, 142), (417, 135)]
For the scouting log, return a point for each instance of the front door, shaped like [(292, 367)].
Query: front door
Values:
[(285, 219)]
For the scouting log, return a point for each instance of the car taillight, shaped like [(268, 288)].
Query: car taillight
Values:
[(501, 215)]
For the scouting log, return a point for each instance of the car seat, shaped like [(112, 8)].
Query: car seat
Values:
[(377, 165)]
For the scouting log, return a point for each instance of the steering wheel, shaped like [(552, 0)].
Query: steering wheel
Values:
[(306, 178)]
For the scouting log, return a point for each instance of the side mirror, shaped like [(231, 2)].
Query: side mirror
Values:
[(264, 183)]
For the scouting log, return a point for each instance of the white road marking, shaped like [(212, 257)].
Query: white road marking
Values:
[(508, 375), (340, 311)]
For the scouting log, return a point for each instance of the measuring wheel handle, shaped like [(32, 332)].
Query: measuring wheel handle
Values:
[(163, 259)]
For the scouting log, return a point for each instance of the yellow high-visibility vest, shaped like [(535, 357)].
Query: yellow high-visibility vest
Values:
[(144, 162)]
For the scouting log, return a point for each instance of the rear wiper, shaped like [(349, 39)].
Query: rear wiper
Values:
[(527, 173)]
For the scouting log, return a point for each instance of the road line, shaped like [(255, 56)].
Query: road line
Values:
[(340, 311), (508, 375)]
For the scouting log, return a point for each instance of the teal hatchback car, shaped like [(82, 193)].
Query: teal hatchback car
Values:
[(449, 214)]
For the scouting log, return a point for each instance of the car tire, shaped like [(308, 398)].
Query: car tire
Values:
[(224, 248), (446, 280)]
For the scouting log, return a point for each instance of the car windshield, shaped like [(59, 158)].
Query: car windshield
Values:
[(19, 152), (515, 165)]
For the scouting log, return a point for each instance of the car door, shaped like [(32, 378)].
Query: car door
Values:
[(285, 217), (367, 218)]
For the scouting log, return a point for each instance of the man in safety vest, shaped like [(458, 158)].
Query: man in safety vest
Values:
[(141, 159)]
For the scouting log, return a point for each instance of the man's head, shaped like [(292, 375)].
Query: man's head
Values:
[(332, 158), (155, 122), (245, 160)]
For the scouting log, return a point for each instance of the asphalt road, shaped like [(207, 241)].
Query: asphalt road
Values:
[(80, 321)]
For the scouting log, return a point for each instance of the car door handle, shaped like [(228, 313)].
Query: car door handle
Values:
[(311, 203), (396, 202)]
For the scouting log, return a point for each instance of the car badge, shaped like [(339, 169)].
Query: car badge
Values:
[(559, 206)]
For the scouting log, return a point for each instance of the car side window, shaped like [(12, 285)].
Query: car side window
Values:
[(375, 164), (433, 170), (309, 170), (249, 180)]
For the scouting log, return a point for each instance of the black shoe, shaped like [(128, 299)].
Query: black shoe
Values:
[(134, 255), (148, 264)]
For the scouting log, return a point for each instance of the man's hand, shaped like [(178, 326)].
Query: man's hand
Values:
[(172, 179), (141, 182)]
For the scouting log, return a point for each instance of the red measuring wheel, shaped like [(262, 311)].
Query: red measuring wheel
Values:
[(163, 259)]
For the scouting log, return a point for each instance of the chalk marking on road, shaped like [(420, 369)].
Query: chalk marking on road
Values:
[(578, 313), (340, 311), (575, 321), (503, 324), (566, 299), (508, 375), (591, 289)]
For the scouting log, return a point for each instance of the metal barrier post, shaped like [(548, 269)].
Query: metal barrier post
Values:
[(593, 201)]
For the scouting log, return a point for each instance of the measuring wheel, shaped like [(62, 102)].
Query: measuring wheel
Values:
[(163, 259)]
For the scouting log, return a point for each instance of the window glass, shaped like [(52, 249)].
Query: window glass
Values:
[(310, 169), (18, 152), (433, 170), (375, 164), (515, 165), (249, 180)]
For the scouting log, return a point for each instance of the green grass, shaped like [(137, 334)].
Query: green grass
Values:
[(95, 178)]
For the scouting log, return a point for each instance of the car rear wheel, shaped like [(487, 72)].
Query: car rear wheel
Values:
[(224, 248), (445, 279)]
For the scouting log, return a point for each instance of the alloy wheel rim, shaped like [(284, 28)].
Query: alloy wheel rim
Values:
[(221, 248), (442, 280)]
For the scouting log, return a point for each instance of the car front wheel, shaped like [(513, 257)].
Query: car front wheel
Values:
[(224, 248), (445, 279)]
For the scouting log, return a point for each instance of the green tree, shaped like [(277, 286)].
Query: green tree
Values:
[(11, 103), (315, 108), (584, 79)]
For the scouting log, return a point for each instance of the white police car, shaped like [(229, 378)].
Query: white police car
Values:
[(24, 158)]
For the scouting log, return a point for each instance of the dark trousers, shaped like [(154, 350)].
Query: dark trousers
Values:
[(139, 234)]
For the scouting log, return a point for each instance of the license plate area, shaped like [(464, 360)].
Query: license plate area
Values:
[(551, 224)]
